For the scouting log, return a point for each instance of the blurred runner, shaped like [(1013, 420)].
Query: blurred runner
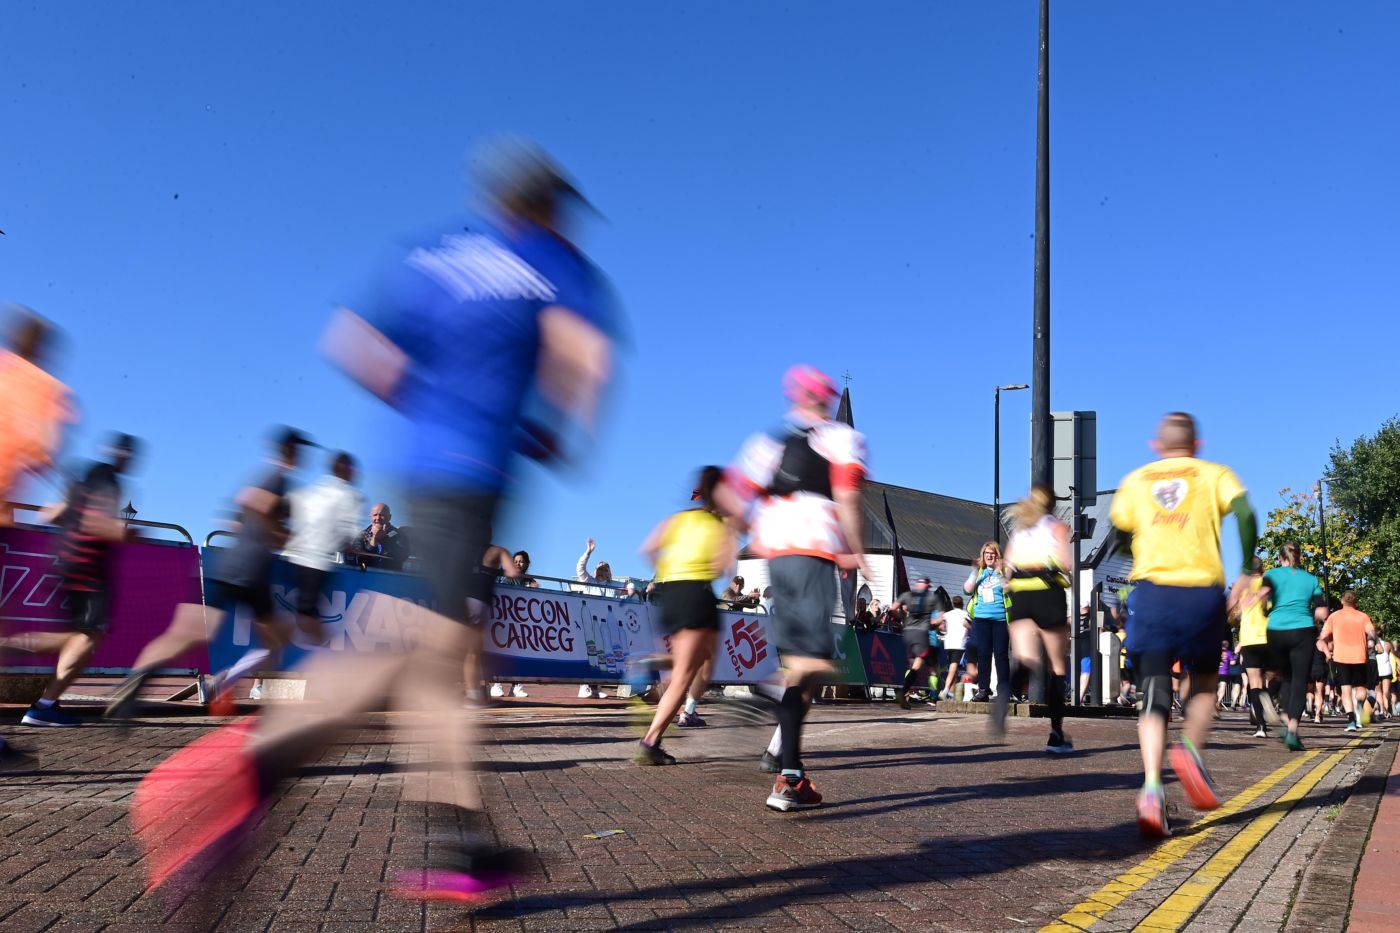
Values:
[(325, 518), (797, 488), (1037, 561), (690, 551), (1254, 646), (920, 638), (1173, 510), (242, 575), (90, 525), (467, 326), (34, 405)]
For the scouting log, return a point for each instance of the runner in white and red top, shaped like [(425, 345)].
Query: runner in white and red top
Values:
[(797, 487)]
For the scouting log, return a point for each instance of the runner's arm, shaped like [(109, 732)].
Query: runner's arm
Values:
[(1249, 529), (848, 513)]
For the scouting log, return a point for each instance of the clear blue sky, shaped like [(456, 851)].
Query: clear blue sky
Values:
[(188, 188)]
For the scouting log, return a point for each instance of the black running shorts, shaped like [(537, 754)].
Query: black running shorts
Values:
[(229, 596), (1257, 657), (1351, 675), (451, 533), (687, 604), (310, 583), (88, 612), (804, 594), (1045, 607)]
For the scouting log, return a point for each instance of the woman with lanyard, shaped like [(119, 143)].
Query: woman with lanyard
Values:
[(1297, 599), (1254, 648), (691, 550), (1036, 557), (987, 583)]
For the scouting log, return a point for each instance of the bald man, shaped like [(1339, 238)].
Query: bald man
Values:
[(382, 545), (1173, 509)]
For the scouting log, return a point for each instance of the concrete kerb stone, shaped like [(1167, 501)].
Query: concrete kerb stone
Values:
[(1324, 895)]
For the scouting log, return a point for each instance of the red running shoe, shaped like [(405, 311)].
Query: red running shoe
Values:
[(800, 796), (197, 806), (1152, 813), (1195, 779)]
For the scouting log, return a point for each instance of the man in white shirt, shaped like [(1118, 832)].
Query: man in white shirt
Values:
[(598, 583), (957, 623), (325, 516)]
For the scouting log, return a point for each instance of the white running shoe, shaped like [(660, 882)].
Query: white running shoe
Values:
[(256, 692), (585, 692), (497, 690), (519, 691)]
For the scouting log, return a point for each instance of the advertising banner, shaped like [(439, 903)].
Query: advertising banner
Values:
[(532, 635), (148, 581), (883, 656), (849, 669)]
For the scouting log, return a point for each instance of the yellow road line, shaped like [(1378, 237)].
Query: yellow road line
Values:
[(1173, 913), (1097, 905)]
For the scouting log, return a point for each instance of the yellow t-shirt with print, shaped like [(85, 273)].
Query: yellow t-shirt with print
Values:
[(1254, 620), (691, 547), (1172, 508)]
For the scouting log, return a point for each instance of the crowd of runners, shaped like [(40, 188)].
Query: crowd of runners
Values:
[(495, 341)]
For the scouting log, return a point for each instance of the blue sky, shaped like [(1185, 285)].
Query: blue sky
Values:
[(188, 189)]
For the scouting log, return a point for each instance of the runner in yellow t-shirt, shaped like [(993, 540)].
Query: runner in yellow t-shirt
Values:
[(1254, 647), (1173, 508)]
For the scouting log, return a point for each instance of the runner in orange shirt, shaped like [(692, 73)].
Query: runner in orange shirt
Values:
[(1346, 639), (35, 407)]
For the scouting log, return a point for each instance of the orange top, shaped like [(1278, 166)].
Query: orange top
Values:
[(35, 407), (1349, 635)]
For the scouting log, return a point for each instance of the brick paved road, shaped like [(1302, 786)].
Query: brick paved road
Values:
[(930, 826)]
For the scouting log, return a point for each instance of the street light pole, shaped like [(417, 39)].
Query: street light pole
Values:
[(996, 459), (1041, 453)]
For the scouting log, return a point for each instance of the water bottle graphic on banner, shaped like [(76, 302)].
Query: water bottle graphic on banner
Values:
[(590, 628)]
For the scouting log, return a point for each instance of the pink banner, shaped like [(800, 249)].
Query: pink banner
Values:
[(148, 581)]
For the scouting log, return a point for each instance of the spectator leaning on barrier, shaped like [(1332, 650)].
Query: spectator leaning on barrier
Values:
[(598, 583), (381, 545), (863, 620), (521, 559)]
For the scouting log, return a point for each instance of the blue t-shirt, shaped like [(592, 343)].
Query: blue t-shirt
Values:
[(989, 596), (1293, 593), (465, 307)]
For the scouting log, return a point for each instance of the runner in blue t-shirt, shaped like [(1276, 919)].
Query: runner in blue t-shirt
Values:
[(460, 328)]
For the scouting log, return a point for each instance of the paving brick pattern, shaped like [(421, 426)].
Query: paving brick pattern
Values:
[(931, 825)]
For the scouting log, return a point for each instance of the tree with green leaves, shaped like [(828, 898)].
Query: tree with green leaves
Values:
[(1364, 481), (1347, 556)]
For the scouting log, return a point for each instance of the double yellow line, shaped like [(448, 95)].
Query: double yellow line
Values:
[(1176, 910)]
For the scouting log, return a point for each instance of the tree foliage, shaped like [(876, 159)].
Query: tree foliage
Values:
[(1364, 481), (1346, 561)]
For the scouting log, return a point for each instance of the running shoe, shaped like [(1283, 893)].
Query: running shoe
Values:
[(49, 717), (1191, 772), (981, 696), (690, 721), (472, 874), (1152, 813), (800, 796), (1261, 733), (1059, 744), (996, 722), (256, 692), (198, 806), (649, 755), (770, 763), (1293, 743), (123, 700), (1352, 726), (497, 690), (518, 691)]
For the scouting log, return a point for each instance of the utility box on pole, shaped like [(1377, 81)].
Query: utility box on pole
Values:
[(1075, 477), (1076, 455)]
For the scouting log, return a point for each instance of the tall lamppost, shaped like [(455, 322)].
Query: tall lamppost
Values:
[(996, 458)]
